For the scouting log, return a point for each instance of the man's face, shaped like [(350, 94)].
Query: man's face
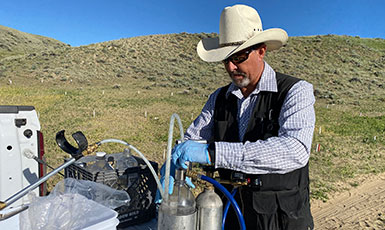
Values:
[(245, 67)]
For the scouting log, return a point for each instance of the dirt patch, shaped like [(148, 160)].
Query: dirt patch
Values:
[(362, 207)]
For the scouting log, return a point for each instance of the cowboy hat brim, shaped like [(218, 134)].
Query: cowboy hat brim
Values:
[(209, 49)]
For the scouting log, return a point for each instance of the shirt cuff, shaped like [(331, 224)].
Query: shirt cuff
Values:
[(229, 155)]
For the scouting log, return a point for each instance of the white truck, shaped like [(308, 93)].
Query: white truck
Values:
[(21, 149)]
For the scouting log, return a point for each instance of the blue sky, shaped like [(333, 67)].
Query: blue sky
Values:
[(83, 22)]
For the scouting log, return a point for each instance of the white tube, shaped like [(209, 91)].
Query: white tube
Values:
[(142, 156), (169, 148)]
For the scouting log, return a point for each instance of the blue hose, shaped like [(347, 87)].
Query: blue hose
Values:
[(227, 208), (229, 197)]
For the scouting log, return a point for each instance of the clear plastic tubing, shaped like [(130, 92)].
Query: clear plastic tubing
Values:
[(169, 148), (142, 156)]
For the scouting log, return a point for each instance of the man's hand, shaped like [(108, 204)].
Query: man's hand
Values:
[(158, 198), (190, 151)]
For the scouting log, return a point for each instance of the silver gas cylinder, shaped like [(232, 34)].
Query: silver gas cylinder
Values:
[(210, 210)]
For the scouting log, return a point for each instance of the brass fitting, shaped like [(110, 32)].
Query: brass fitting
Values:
[(239, 183), (192, 174), (195, 176), (2, 205), (91, 149)]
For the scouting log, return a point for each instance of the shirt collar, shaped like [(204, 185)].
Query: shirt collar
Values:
[(267, 82)]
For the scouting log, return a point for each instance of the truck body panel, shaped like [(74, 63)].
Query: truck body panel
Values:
[(19, 143)]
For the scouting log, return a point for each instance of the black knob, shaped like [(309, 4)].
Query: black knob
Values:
[(28, 133)]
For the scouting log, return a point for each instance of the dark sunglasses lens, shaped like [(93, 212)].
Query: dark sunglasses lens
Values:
[(240, 58), (237, 58)]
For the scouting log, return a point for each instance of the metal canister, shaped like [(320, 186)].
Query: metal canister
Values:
[(210, 210)]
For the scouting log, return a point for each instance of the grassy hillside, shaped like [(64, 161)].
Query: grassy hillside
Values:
[(14, 42), (128, 89)]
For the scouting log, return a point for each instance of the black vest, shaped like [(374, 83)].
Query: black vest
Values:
[(286, 192), (263, 122)]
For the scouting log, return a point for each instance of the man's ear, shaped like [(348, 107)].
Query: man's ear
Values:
[(261, 51)]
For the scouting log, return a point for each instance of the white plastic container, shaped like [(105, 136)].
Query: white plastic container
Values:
[(106, 222), (60, 212)]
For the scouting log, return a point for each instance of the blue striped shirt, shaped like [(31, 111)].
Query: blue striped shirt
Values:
[(288, 151)]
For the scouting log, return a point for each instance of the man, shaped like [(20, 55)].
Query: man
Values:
[(260, 126)]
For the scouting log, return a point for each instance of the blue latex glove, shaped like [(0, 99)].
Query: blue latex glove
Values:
[(158, 198), (190, 151)]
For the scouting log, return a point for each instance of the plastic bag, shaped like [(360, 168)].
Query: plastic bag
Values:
[(100, 193), (68, 211), (73, 204)]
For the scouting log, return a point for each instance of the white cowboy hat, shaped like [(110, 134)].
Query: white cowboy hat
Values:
[(239, 28)]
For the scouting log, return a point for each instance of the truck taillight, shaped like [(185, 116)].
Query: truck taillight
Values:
[(42, 168)]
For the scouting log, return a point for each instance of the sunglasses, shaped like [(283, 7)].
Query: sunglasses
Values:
[(239, 57)]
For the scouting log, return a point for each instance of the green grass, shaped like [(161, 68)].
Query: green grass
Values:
[(352, 143), (348, 149)]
